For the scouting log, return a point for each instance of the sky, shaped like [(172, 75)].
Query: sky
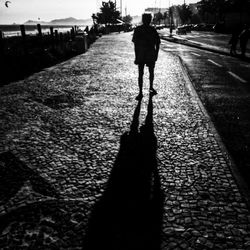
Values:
[(19, 11)]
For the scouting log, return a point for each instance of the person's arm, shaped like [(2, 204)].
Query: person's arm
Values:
[(134, 40), (135, 35), (157, 45)]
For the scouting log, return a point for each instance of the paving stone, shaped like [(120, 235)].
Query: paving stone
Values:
[(65, 126)]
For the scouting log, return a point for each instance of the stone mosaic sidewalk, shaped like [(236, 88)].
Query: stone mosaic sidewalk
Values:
[(85, 166)]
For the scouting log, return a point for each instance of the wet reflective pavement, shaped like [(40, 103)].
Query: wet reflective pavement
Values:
[(83, 165)]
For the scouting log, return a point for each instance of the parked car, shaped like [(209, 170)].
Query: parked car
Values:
[(181, 30), (203, 27), (209, 27), (160, 26), (219, 27), (197, 27), (188, 27)]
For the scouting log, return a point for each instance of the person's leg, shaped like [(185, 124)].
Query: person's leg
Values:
[(233, 49), (140, 80), (243, 48), (151, 69), (151, 76)]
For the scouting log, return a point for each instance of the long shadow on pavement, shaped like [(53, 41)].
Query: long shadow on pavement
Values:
[(129, 214)]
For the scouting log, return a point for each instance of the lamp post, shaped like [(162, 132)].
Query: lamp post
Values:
[(121, 7), (170, 18)]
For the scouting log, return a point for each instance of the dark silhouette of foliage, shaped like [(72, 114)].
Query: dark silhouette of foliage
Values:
[(158, 17), (165, 15), (205, 6), (108, 14), (127, 19), (220, 7), (185, 13), (239, 5)]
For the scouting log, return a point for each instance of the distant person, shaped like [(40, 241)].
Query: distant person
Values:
[(244, 35), (146, 42), (233, 41), (86, 29)]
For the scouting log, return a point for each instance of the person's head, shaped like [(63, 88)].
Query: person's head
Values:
[(146, 18)]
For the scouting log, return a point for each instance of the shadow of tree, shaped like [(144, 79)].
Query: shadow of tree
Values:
[(129, 214)]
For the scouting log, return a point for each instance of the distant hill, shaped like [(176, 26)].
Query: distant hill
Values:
[(64, 21), (71, 21), (32, 22)]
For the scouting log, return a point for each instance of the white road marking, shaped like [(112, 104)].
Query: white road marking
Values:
[(215, 63), (245, 65), (170, 45), (193, 36), (195, 54), (237, 77)]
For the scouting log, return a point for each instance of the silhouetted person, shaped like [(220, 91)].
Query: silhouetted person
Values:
[(146, 41), (86, 29), (233, 41), (244, 35)]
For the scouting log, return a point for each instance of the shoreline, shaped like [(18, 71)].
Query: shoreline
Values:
[(14, 29)]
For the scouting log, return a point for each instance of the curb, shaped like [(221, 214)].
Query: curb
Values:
[(194, 45), (243, 188)]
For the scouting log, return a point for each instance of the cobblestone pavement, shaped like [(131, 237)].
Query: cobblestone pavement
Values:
[(77, 173)]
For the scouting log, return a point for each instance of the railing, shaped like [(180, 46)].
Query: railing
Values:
[(22, 55)]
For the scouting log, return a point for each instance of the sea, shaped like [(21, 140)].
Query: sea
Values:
[(14, 29)]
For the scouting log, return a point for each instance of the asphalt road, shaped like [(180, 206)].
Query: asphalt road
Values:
[(236, 69), (215, 39), (211, 38), (223, 84)]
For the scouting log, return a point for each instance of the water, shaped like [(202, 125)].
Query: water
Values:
[(14, 30)]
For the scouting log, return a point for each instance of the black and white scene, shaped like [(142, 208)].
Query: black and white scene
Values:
[(125, 124)]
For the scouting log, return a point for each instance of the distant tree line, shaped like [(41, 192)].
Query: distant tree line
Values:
[(213, 6), (216, 8), (110, 15), (182, 11), (220, 7)]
